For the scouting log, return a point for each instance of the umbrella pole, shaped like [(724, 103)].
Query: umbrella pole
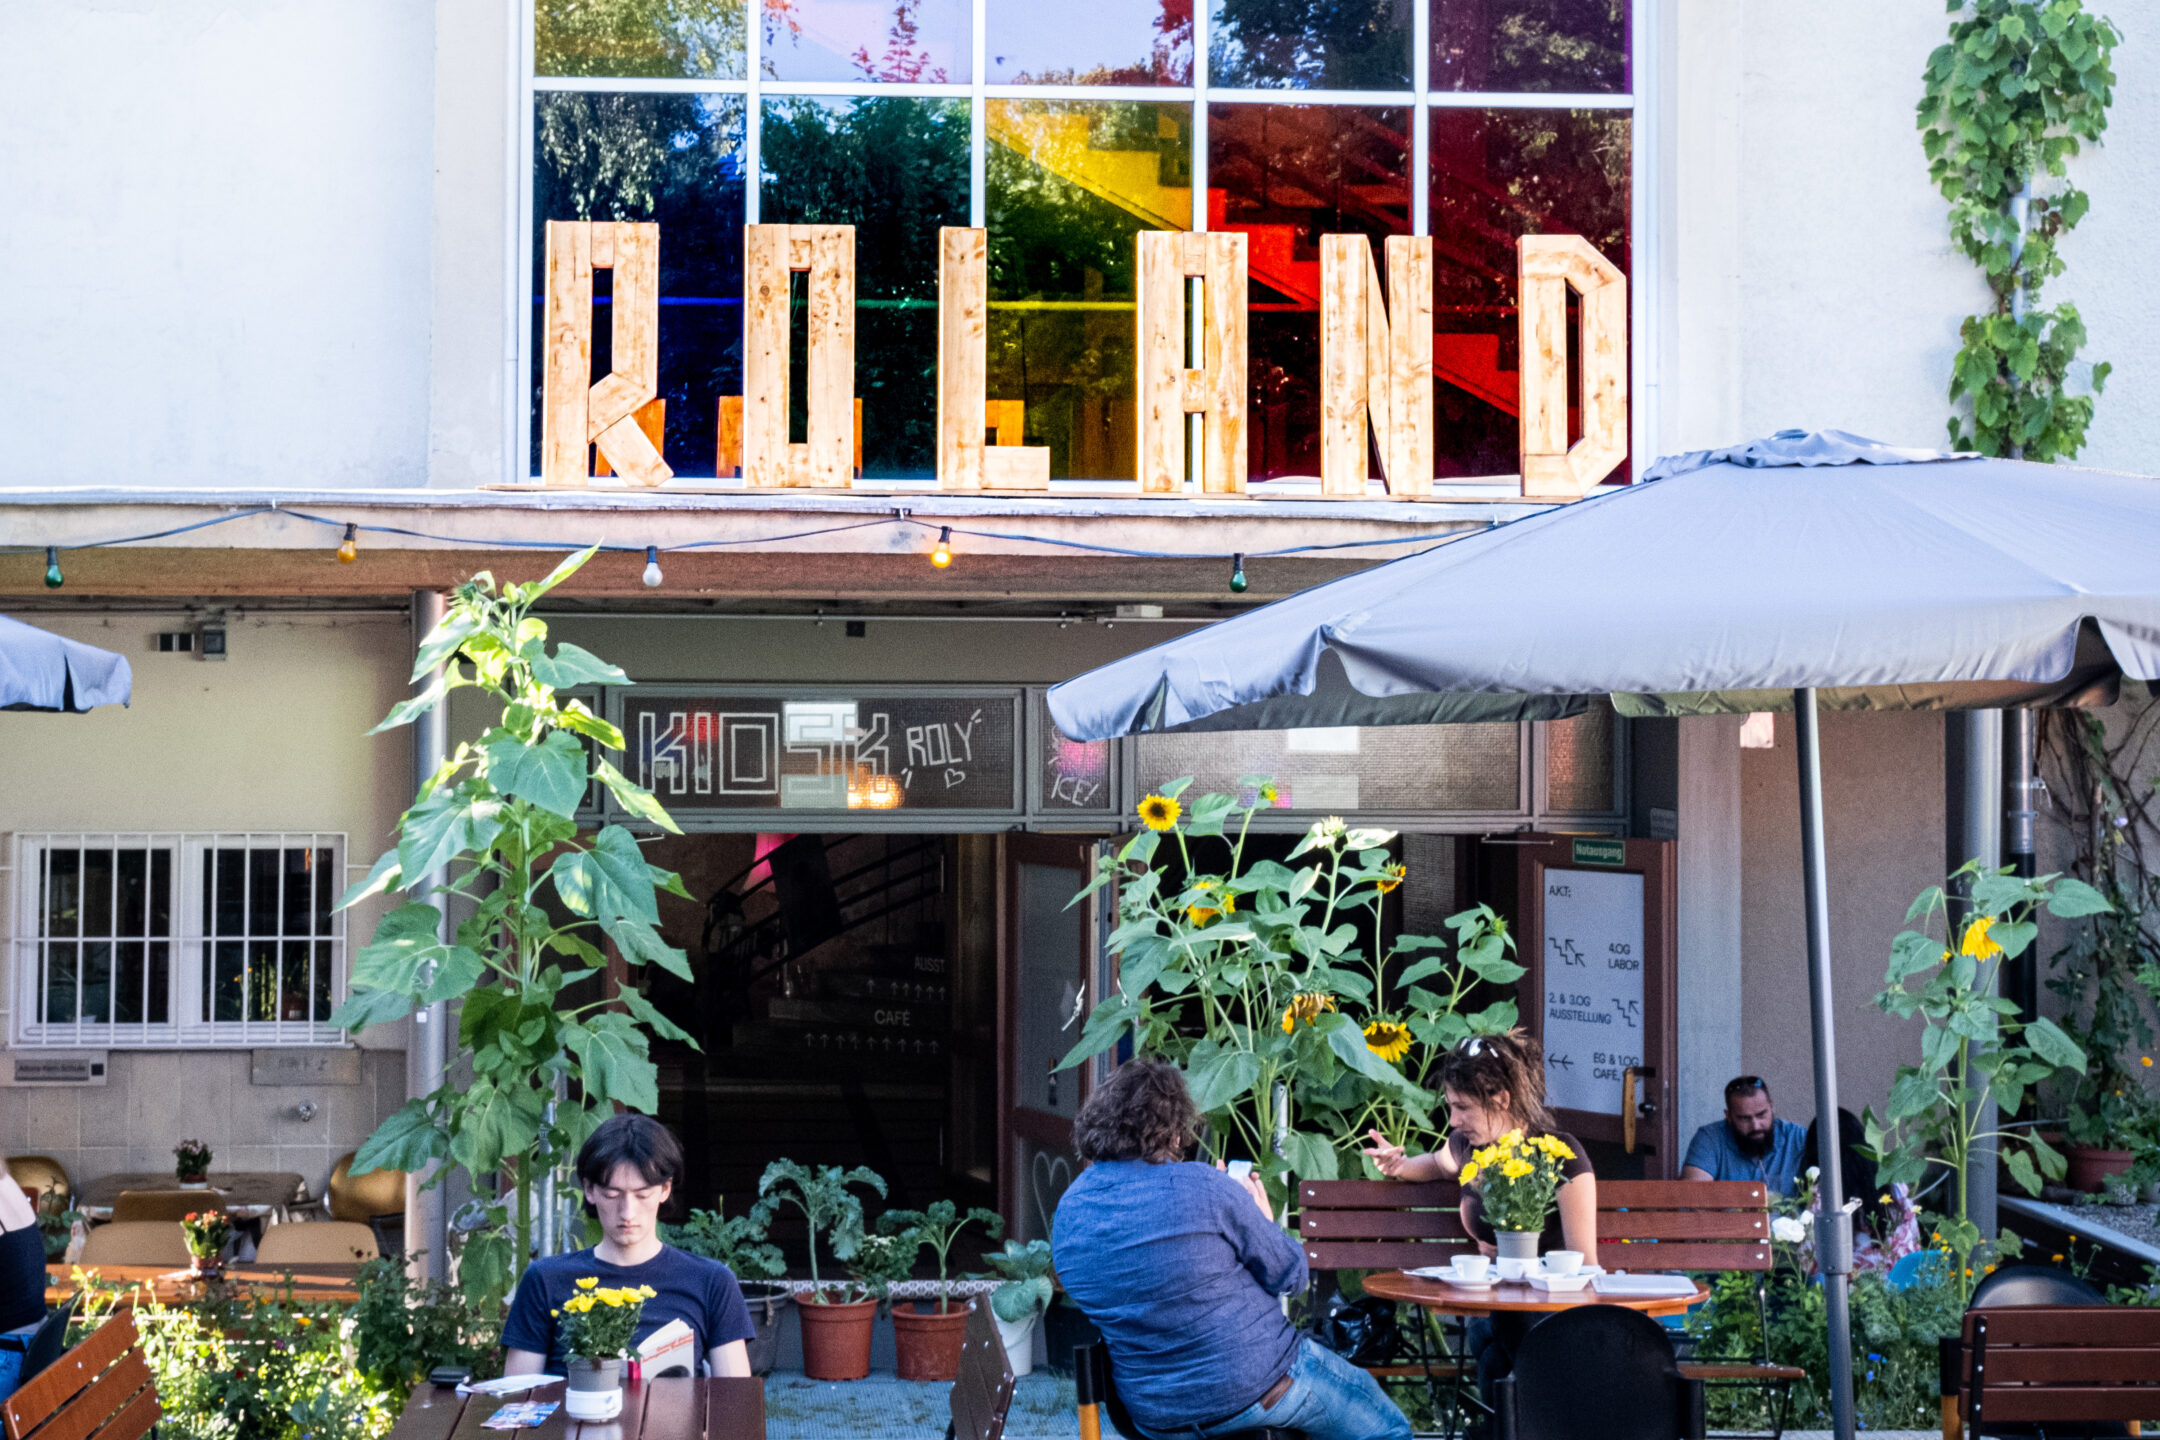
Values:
[(1833, 1228)]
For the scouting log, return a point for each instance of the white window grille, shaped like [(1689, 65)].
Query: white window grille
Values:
[(158, 940)]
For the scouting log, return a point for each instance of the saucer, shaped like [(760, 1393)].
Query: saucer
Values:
[(1448, 1276)]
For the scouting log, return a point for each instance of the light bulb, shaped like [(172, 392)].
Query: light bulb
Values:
[(53, 578), (942, 556), (1238, 582), (652, 567), (348, 549)]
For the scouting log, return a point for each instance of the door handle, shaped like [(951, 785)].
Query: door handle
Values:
[(1629, 1108)]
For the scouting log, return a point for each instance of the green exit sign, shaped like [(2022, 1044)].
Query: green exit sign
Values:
[(1601, 852)]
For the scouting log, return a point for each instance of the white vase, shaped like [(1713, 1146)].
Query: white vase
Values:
[(595, 1389), (1019, 1338), (1518, 1244)]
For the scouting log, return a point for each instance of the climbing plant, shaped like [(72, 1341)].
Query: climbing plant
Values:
[(2012, 95)]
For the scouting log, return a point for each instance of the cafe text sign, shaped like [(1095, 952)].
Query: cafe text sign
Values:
[(1376, 348)]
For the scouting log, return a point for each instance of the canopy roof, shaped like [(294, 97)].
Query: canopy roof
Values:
[(43, 671)]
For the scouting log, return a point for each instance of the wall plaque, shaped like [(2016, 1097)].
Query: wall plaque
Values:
[(309, 1065)]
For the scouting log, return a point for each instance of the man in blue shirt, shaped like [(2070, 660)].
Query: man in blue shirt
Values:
[(1182, 1268), (1750, 1143)]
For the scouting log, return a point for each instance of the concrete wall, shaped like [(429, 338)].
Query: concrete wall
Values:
[(272, 739), (1883, 824), (218, 223)]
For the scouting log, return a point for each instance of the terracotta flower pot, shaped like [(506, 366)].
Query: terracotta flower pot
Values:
[(927, 1344), (768, 1304), (836, 1338), (2090, 1168)]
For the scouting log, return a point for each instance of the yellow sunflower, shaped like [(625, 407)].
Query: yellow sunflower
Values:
[(1204, 914), (1977, 942), (1392, 876), (1160, 812), (1388, 1040), (1306, 1007)]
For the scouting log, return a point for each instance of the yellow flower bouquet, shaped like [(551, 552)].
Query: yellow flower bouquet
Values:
[(598, 1323), (1518, 1177)]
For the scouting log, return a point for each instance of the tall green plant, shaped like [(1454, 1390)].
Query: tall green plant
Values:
[(499, 818), (821, 1192), (1974, 1050), (2009, 98), (1254, 976)]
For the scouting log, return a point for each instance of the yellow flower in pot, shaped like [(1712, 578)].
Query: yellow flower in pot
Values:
[(599, 1324)]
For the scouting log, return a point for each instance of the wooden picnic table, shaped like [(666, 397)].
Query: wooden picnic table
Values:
[(328, 1281), (1503, 1299), (273, 1189), (675, 1409)]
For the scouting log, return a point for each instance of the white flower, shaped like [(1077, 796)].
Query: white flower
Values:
[(1807, 1217), (1787, 1229), (1814, 1173)]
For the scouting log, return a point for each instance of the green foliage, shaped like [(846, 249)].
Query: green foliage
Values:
[(265, 1368), (664, 39), (880, 1261), (822, 1193), (2009, 99), (1029, 1283), (1973, 1048), (937, 1227), (737, 1242), (401, 1329), (501, 816), (1254, 975)]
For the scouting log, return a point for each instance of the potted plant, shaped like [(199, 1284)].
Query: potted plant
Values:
[(191, 1164), (1018, 1304), (598, 1325), (927, 1339), (208, 1233), (879, 1263), (836, 1324), (1518, 1177), (2108, 1130), (739, 1243)]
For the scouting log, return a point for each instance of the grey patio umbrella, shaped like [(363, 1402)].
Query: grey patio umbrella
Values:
[(1799, 571), (43, 671)]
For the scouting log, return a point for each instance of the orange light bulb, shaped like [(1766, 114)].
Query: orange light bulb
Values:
[(942, 556)]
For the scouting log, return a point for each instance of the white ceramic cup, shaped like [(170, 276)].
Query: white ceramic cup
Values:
[(1562, 1262), (1472, 1267), (1511, 1269)]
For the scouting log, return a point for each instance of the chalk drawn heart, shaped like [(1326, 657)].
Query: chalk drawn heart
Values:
[(1048, 1175), (955, 777)]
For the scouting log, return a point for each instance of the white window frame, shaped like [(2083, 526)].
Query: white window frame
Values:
[(187, 1027), (1645, 255)]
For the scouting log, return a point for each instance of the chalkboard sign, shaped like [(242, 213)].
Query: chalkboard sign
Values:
[(1593, 974), (707, 753)]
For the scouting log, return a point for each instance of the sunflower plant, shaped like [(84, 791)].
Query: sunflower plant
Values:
[(1518, 1178), (1974, 1048), (1262, 979), (599, 1321)]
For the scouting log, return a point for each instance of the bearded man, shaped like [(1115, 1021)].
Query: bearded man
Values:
[(1750, 1143)]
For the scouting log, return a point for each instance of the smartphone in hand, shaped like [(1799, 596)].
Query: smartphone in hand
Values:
[(1239, 1169)]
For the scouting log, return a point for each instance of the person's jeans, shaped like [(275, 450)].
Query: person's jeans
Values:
[(1328, 1399)]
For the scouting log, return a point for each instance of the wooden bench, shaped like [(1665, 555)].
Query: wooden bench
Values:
[(2041, 1365), (982, 1393), (102, 1387)]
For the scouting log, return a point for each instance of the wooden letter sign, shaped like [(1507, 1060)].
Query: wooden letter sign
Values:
[(770, 254), (964, 462), (1549, 266), (1376, 365), (1215, 387), (576, 414)]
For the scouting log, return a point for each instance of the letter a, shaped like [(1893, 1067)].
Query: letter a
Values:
[(1215, 387)]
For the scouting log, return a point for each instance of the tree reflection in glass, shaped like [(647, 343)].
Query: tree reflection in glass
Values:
[(1105, 42), (1497, 175), (1570, 46), (1310, 44), (1070, 184), (658, 39), (896, 41), (896, 169), (677, 160)]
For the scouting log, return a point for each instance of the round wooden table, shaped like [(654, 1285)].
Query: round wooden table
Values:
[(1444, 1299)]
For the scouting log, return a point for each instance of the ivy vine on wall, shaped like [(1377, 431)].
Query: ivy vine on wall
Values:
[(2020, 85)]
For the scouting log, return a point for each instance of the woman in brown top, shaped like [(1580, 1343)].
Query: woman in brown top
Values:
[(1494, 1084)]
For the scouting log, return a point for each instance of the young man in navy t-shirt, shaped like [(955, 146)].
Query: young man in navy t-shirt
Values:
[(629, 1168)]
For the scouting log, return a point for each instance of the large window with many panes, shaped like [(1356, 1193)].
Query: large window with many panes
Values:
[(1064, 129)]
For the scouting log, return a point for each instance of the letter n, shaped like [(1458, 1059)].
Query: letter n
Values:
[(1549, 266), (1376, 365)]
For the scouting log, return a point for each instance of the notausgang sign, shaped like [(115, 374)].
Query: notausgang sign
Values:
[(1376, 350)]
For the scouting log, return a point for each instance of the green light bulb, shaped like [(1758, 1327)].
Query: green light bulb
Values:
[(53, 578), (1238, 582)]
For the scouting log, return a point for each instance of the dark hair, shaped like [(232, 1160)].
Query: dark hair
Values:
[(1741, 1085), (1142, 1112), (1505, 1072), (637, 1140)]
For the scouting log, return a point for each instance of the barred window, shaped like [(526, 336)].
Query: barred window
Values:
[(150, 940)]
